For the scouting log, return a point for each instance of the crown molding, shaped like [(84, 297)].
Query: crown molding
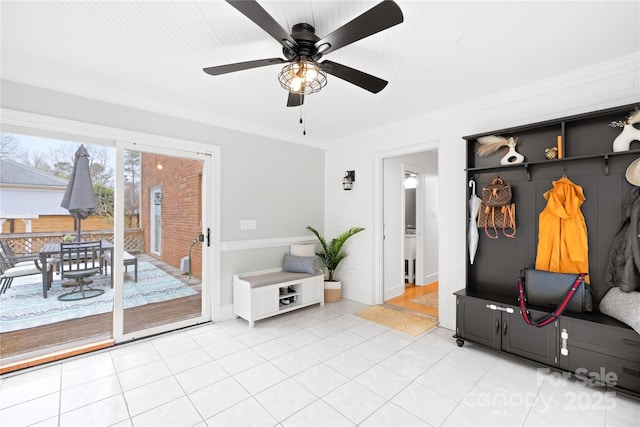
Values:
[(18, 75), (618, 66)]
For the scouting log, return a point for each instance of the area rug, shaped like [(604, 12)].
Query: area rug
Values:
[(409, 323), (428, 300), (23, 305)]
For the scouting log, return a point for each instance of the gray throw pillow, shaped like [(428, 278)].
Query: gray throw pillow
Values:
[(624, 306), (299, 264)]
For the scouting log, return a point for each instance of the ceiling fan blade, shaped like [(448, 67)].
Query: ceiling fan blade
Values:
[(295, 100), (252, 10), (239, 66), (365, 81), (380, 17)]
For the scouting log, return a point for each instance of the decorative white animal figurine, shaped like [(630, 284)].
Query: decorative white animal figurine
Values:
[(629, 132), (491, 144)]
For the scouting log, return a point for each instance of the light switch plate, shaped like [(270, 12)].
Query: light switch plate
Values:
[(247, 224)]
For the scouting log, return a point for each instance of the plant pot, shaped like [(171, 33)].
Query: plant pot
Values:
[(332, 291)]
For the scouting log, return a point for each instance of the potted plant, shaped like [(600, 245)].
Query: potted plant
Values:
[(330, 256)]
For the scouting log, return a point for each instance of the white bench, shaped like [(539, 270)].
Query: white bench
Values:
[(127, 259), (261, 294)]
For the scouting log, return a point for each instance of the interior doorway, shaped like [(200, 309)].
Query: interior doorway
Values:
[(410, 232)]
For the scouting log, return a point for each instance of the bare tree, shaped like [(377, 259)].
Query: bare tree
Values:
[(61, 159), (9, 147), (101, 168), (132, 185), (38, 161), (59, 162)]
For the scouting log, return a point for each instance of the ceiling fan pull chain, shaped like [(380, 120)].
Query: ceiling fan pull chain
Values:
[(302, 122), (304, 112)]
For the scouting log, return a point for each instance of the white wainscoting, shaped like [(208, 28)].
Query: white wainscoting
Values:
[(243, 245)]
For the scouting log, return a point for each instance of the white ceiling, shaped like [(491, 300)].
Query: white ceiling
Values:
[(150, 55)]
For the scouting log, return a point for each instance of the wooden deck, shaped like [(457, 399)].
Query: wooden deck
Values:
[(39, 341)]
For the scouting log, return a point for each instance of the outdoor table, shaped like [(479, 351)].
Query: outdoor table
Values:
[(53, 248)]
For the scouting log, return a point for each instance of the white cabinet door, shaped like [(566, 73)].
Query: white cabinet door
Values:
[(265, 301), (313, 290)]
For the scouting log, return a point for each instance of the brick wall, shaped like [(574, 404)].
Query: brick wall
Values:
[(181, 183)]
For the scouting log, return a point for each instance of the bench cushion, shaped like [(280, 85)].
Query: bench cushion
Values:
[(126, 256), (273, 278)]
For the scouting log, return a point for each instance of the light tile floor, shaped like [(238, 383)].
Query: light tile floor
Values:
[(319, 366)]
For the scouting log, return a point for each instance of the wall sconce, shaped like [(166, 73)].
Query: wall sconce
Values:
[(410, 181), (157, 197), (348, 180)]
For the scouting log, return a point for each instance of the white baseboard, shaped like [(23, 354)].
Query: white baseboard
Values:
[(429, 278), (393, 292), (225, 313)]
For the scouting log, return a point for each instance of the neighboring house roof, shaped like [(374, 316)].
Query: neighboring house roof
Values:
[(26, 192), (14, 173)]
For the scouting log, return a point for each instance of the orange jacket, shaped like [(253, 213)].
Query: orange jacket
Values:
[(562, 235)]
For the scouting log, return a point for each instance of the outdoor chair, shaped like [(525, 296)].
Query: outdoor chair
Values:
[(10, 271), (28, 260), (79, 261), (13, 259)]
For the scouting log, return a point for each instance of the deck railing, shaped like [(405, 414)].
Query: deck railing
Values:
[(32, 243)]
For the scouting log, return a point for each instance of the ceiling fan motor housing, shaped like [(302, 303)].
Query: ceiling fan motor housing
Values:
[(305, 35)]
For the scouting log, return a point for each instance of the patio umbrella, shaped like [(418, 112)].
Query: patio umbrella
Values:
[(79, 198), (474, 207)]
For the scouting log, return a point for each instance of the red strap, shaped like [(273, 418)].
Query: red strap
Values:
[(553, 315)]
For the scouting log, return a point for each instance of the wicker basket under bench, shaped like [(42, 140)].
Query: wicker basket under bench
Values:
[(261, 294)]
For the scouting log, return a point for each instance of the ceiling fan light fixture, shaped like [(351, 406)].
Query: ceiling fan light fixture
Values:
[(302, 76)]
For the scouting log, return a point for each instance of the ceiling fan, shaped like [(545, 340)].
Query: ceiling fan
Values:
[(302, 49)]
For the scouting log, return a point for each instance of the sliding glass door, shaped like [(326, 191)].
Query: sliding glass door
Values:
[(152, 218), (164, 239), (40, 312)]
